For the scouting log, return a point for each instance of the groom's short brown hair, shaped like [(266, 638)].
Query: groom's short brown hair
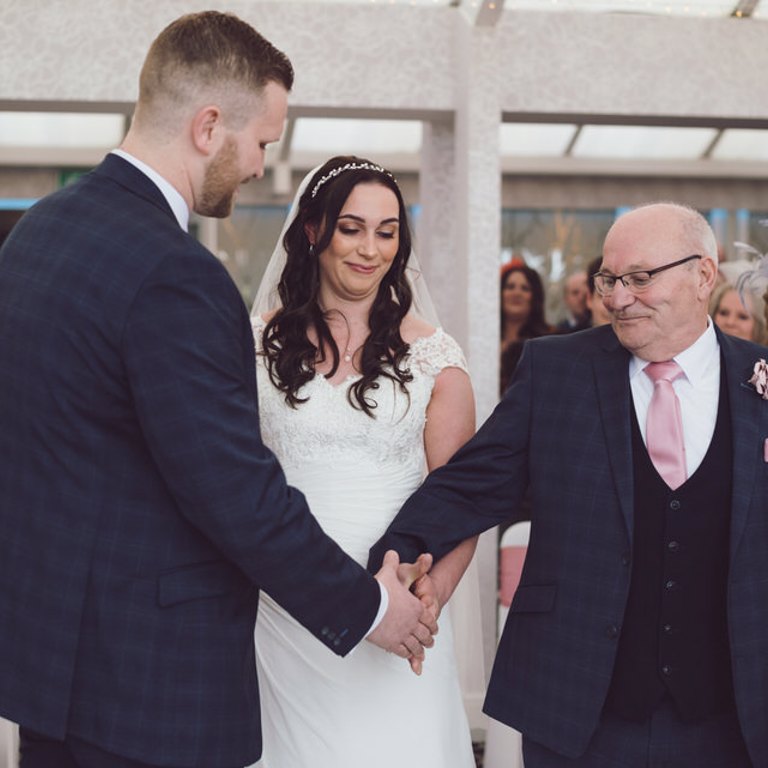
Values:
[(209, 57)]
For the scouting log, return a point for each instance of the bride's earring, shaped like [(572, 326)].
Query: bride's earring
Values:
[(312, 250)]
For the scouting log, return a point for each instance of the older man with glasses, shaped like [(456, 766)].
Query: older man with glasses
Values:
[(638, 636)]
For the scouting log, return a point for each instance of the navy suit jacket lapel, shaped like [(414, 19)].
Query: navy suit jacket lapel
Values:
[(138, 183), (748, 411), (611, 370)]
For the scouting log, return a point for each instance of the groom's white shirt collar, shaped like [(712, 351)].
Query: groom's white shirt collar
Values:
[(170, 193)]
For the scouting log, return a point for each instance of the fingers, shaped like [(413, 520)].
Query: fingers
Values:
[(409, 622), (414, 647), (425, 589), (410, 573), (427, 597), (423, 564), (391, 559), (423, 635), (431, 614), (409, 648)]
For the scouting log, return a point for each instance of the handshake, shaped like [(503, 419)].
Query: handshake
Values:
[(410, 623)]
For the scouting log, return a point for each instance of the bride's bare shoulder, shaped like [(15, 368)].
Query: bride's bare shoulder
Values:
[(267, 316), (413, 327)]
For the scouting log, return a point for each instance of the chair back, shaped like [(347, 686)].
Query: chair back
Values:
[(504, 745), (513, 547)]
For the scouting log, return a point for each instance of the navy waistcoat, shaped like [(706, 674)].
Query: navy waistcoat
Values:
[(674, 637)]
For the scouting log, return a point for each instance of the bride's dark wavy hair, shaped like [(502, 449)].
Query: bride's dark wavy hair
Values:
[(289, 352)]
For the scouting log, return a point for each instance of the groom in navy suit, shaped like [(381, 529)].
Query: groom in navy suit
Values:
[(638, 636), (139, 512)]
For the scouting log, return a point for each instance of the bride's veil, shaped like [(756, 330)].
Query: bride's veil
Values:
[(267, 299), (465, 603)]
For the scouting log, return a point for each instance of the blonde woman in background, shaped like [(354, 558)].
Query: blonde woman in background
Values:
[(743, 319)]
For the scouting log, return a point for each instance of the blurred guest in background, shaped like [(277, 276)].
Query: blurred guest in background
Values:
[(575, 297), (753, 277), (743, 319), (522, 315), (765, 308), (522, 303), (598, 314)]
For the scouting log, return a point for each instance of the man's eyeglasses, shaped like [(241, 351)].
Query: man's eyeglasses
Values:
[(635, 282)]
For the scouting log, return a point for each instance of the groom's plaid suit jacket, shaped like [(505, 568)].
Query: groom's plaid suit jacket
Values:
[(139, 510)]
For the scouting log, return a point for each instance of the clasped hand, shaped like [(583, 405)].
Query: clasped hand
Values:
[(410, 623)]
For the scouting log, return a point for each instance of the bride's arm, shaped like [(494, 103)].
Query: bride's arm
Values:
[(450, 423)]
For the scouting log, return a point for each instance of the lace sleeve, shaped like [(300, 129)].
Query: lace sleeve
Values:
[(431, 354)]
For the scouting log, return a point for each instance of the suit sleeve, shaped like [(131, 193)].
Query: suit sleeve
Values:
[(480, 487), (188, 352)]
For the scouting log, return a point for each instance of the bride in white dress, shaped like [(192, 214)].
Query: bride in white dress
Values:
[(358, 397)]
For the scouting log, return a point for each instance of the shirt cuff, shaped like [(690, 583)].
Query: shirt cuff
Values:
[(382, 608)]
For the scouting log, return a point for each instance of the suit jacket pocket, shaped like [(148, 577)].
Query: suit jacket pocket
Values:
[(196, 582), (534, 598)]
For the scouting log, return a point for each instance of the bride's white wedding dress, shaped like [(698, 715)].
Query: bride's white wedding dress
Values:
[(367, 710)]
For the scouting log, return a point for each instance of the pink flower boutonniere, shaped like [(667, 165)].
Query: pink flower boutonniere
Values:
[(759, 378)]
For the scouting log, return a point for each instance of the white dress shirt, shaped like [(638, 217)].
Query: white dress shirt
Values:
[(170, 193), (698, 391)]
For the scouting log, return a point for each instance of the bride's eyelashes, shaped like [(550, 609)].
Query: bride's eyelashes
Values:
[(387, 234)]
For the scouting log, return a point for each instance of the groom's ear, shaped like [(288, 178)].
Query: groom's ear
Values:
[(207, 130)]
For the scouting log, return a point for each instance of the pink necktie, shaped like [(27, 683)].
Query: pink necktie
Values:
[(664, 427)]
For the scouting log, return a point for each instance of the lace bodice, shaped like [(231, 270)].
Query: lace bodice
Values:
[(327, 424), (340, 456)]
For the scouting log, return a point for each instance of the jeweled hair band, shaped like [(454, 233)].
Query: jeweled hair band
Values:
[(349, 167)]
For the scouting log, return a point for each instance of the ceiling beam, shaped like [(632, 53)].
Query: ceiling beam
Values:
[(608, 167), (667, 121)]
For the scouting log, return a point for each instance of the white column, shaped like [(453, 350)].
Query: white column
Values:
[(445, 268), (478, 242), (459, 243), (478, 201), (441, 260)]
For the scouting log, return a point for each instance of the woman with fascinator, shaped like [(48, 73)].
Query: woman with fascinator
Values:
[(754, 281), (359, 395)]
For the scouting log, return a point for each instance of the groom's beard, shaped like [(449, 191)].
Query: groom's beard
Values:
[(220, 183)]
